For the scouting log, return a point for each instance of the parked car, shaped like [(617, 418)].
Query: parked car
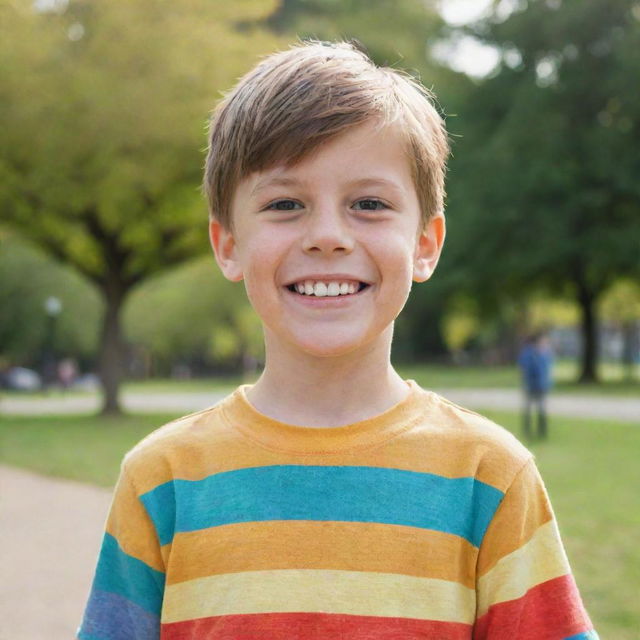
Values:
[(21, 379)]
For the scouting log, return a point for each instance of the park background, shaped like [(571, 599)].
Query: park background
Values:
[(104, 257)]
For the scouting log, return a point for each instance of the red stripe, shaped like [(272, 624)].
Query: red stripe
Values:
[(320, 626), (548, 611)]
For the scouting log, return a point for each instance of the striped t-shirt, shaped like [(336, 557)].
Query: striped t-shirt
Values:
[(427, 521)]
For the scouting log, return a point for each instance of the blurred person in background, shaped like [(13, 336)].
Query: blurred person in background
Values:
[(67, 372), (535, 361)]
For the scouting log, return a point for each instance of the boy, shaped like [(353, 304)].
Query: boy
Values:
[(331, 499)]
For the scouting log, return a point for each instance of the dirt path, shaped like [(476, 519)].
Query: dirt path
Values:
[(50, 533)]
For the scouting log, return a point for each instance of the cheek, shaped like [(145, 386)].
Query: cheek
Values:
[(261, 258), (395, 254)]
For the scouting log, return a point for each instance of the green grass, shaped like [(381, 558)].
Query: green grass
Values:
[(442, 377), (479, 377), (431, 376), (590, 468), (85, 448)]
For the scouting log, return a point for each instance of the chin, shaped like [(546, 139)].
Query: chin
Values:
[(322, 345)]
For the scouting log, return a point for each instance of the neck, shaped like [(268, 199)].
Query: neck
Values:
[(327, 391)]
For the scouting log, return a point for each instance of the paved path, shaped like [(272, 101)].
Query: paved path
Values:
[(50, 533), (626, 409)]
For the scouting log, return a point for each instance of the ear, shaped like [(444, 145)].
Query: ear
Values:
[(226, 251), (428, 248)]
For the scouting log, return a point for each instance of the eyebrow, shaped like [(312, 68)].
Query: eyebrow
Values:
[(294, 182)]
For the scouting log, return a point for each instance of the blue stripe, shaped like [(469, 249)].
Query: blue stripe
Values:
[(461, 506), (587, 635), (128, 577), (109, 616)]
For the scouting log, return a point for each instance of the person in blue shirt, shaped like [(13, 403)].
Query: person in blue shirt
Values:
[(535, 361)]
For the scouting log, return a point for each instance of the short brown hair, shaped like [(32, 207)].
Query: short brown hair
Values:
[(295, 100)]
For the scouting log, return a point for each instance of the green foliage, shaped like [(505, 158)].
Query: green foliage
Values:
[(621, 303), (104, 106), (460, 322), (544, 187), (193, 311), (393, 31), (27, 278)]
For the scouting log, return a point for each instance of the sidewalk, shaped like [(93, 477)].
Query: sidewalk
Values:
[(625, 409), (50, 533)]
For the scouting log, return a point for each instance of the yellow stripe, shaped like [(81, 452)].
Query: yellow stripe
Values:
[(524, 509), (345, 546), (541, 559), (345, 592)]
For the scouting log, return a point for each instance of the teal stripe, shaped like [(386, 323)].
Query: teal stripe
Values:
[(587, 635), (126, 576), (461, 506)]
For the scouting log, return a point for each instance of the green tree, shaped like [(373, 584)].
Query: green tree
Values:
[(104, 106), (545, 191), (393, 31), (620, 306), (28, 277), (221, 323)]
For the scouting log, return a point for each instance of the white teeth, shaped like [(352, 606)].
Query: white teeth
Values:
[(333, 289), (320, 289), (326, 289)]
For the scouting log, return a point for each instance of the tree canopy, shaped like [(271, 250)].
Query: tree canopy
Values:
[(544, 185), (105, 108)]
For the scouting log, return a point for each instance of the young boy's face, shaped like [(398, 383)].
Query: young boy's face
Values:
[(345, 220)]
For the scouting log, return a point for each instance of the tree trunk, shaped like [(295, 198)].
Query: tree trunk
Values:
[(111, 351), (589, 329)]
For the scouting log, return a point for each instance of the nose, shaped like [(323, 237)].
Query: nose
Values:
[(328, 231)]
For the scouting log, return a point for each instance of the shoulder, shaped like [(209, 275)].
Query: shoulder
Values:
[(472, 443), (168, 451)]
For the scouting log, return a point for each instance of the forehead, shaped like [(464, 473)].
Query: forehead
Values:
[(370, 154)]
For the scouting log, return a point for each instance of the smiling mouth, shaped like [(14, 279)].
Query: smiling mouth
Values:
[(320, 289)]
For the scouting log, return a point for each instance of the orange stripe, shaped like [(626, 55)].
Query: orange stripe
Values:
[(448, 442), (130, 524), (259, 546)]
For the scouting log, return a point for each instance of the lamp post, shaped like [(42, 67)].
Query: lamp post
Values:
[(52, 308)]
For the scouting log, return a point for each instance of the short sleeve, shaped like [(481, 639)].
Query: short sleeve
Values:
[(525, 589), (126, 596)]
